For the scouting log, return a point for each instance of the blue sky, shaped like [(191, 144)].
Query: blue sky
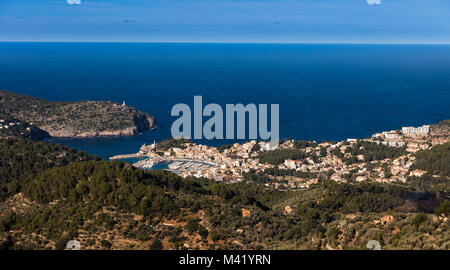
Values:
[(272, 21)]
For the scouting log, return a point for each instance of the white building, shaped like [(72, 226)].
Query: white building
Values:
[(423, 130), (390, 134), (265, 146), (291, 164)]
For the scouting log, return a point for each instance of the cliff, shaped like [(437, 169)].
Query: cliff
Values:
[(75, 119)]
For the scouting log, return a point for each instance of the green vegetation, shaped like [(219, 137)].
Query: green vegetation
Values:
[(193, 226), (223, 147), (69, 119), (442, 124), (278, 156), (289, 172), (444, 208), (419, 218), (23, 159), (303, 144), (84, 188), (371, 151), (171, 143), (59, 194), (264, 177), (435, 160), (430, 182), (156, 245)]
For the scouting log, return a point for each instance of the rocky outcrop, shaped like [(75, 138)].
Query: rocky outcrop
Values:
[(75, 119), (72, 133)]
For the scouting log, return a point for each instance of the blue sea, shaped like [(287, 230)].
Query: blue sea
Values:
[(325, 92)]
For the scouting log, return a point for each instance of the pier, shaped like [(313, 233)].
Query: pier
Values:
[(125, 156)]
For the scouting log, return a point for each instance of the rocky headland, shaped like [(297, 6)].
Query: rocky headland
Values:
[(75, 119)]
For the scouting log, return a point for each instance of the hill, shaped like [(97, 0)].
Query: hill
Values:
[(52, 194), (16, 129), (22, 159), (74, 119)]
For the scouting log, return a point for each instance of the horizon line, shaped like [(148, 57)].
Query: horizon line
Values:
[(236, 42)]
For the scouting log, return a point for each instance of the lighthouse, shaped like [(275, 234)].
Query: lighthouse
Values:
[(123, 104)]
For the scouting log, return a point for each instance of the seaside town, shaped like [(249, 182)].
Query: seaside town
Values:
[(298, 164)]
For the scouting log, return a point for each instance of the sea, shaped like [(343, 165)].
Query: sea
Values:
[(325, 91)]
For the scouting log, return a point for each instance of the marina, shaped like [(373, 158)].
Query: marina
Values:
[(176, 165), (188, 165)]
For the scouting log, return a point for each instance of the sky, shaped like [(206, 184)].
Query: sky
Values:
[(246, 21)]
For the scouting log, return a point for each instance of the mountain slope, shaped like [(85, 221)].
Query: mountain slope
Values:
[(75, 119), (53, 194)]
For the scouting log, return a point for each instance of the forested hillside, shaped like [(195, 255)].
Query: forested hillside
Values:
[(435, 160), (51, 194), (24, 159)]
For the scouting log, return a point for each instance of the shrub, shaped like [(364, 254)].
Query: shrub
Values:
[(419, 218), (156, 245)]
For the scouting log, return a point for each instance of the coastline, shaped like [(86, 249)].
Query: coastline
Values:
[(75, 119), (232, 163)]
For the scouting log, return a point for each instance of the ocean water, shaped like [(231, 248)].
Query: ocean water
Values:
[(325, 92)]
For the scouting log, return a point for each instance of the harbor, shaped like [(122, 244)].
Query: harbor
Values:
[(175, 165), (180, 166)]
